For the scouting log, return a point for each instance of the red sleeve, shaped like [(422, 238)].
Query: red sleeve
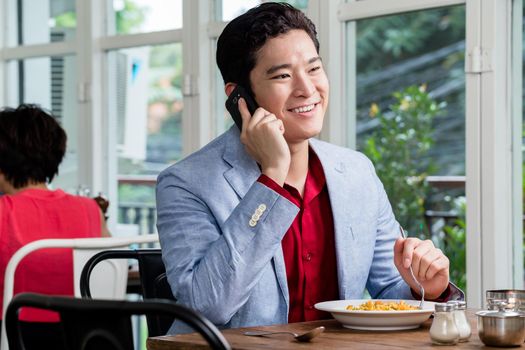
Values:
[(268, 182)]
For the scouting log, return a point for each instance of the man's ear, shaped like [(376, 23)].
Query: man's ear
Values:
[(228, 88)]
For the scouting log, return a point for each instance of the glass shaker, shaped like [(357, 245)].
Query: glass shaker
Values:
[(460, 318), (444, 330)]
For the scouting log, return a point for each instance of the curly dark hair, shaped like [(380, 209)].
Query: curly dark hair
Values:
[(32, 145), (240, 40)]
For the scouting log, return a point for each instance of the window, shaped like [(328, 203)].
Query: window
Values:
[(491, 231), (41, 22), (424, 49), (410, 118), (143, 16), (51, 83), (148, 109)]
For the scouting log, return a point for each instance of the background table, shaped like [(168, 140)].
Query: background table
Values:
[(334, 337)]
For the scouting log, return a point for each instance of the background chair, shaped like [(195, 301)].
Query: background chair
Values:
[(104, 324), (153, 280), (111, 280)]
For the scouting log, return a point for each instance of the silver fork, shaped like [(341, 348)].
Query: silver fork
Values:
[(421, 290)]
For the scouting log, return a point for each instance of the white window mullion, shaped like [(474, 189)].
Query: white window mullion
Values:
[(473, 158), (350, 103), (517, 127), (196, 115), (108, 88), (142, 39), (92, 131), (332, 50), (3, 82), (215, 28), (490, 230), (496, 161), (40, 50)]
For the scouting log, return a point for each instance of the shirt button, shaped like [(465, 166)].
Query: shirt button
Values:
[(308, 256), (310, 307)]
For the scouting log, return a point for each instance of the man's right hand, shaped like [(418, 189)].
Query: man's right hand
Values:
[(263, 136)]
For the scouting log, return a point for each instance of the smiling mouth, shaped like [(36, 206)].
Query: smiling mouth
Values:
[(303, 109)]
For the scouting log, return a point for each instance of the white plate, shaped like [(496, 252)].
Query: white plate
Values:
[(377, 320)]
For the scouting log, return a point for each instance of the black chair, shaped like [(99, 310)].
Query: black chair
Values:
[(153, 280), (90, 324)]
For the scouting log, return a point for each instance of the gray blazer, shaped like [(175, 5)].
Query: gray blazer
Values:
[(233, 271)]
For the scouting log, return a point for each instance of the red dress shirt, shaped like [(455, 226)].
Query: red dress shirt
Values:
[(309, 245)]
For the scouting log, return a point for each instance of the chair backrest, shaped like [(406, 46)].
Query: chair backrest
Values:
[(93, 244), (109, 280), (104, 324), (154, 284)]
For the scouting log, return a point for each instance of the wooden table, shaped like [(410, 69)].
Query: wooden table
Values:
[(334, 337)]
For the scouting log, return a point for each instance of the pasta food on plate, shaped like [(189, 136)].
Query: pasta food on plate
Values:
[(379, 305), (378, 314)]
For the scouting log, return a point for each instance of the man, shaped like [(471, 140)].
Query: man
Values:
[(258, 226)]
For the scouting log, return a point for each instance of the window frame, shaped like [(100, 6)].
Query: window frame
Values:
[(494, 226)]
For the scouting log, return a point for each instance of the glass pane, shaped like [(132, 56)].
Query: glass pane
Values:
[(140, 16), (147, 107), (41, 21), (51, 83), (234, 8), (410, 111)]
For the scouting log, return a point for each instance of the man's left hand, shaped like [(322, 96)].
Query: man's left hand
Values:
[(430, 265)]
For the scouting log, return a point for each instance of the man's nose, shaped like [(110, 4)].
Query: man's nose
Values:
[(304, 86)]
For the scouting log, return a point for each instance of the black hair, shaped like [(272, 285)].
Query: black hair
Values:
[(32, 145), (242, 38)]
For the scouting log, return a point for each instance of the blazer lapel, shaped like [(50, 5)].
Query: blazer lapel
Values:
[(244, 170), (339, 179)]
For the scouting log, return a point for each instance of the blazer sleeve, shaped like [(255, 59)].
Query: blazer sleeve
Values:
[(212, 268)]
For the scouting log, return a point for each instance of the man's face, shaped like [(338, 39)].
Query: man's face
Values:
[(289, 81)]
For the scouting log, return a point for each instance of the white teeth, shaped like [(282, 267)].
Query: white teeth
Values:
[(303, 109)]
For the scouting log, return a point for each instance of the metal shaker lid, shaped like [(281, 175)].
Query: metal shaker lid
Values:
[(444, 307), (460, 304)]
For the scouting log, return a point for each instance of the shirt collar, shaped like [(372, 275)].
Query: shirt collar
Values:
[(315, 180)]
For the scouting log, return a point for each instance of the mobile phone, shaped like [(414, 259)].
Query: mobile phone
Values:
[(233, 107)]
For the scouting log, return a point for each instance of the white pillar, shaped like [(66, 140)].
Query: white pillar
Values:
[(92, 124), (333, 51), (196, 53)]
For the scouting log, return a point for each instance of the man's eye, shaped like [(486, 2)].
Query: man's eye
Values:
[(281, 76), (316, 68)]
